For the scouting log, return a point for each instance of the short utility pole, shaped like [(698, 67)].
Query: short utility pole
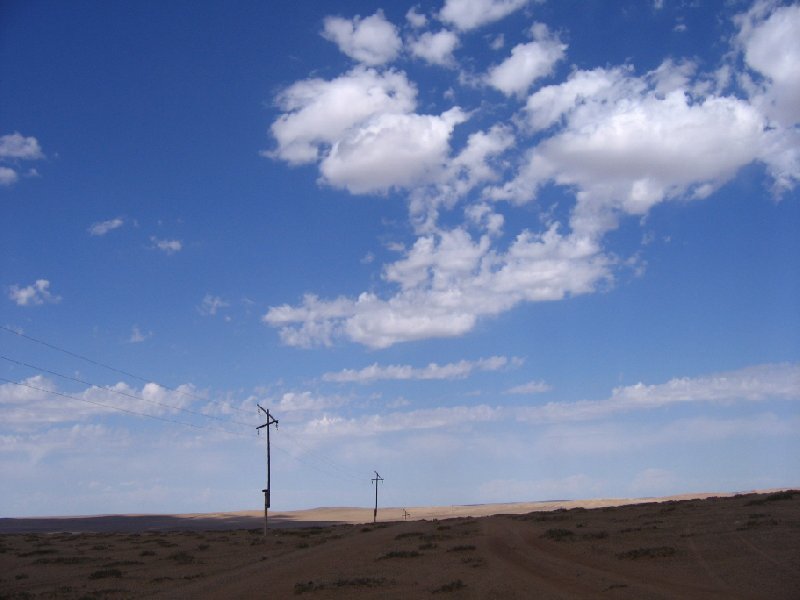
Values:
[(270, 421), (375, 480)]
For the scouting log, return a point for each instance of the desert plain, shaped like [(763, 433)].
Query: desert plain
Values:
[(692, 546)]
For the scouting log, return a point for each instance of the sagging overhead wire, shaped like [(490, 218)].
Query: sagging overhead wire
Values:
[(116, 370), (306, 456)]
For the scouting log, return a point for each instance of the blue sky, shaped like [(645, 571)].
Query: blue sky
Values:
[(497, 250)]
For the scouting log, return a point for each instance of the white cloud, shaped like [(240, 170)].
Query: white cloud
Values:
[(771, 45), (434, 418), (751, 384), (211, 305), (627, 146), (617, 142), (458, 370), (103, 227), (167, 246), (36, 294), (317, 112), (527, 63), (391, 150), (469, 14), (435, 48), (447, 281), (307, 402), (532, 387), (372, 41), (416, 19), (8, 176), (17, 146), (38, 399)]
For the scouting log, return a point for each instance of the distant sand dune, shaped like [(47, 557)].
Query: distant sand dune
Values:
[(248, 519)]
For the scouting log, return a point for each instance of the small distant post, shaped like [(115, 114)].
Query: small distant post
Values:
[(270, 421), (375, 480), (406, 514)]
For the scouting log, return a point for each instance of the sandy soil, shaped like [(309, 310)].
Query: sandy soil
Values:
[(743, 546)]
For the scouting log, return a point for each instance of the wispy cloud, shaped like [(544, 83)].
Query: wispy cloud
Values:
[(103, 227), (532, 387), (137, 335), (457, 370), (211, 304)]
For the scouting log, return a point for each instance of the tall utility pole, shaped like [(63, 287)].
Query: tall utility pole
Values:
[(270, 421), (375, 480)]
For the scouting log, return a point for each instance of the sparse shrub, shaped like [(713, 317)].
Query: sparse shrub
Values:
[(401, 554), (658, 552), (428, 546), (106, 573), (401, 536), (462, 548), (558, 535), (450, 587), (302, 587), (182, 558), (147, 553)]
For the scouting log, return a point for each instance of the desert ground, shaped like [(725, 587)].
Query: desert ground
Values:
[(694, 546)]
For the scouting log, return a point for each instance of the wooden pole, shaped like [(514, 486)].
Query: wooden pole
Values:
[(270, 421), (376, 479)]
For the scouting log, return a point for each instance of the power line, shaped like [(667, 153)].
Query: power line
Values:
[(120, 409), (344, 471), (121, 393), (114, 369)]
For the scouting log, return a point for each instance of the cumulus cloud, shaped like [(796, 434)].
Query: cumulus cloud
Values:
[(458, 370), (626, 146), (416, 19), (447, 281), (38, 399), (103, 227), (17, 146), (616, 141), (14, 149), (8, 176), (317, 113), (771, 46), (527, 63), (371, 41), (435, 48), (391, 150), (470, 14), (32, 295)]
